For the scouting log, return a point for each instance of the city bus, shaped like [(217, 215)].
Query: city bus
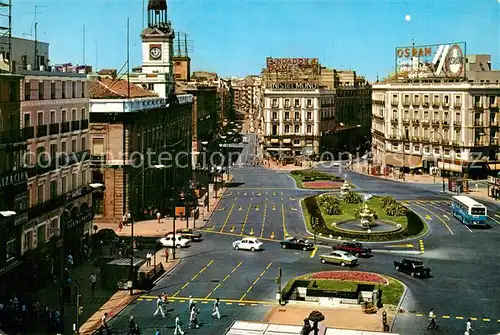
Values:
[(469, 211)]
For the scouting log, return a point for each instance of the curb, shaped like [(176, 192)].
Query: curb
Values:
[(403, 296)]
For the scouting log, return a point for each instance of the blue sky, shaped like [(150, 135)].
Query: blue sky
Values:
[(233, 38)]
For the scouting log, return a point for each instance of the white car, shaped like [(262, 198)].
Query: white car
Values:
[(336, 164), (339, 257), (180, 242), (248, 243)]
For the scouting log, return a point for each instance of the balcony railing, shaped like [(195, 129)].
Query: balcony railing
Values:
[(425, 104), (478, 124), (406, 102), (58, 162), (478, 106), (41, 130), (45, 207), (445, 123), (54, 128), (435, 103), (75, 125), (446, 104), (406, 121), (436, 122), (416, 121), (457, 123), (28, 133), (98, 159), (65, 127), (457, 105), (85, 124), (394, 120)]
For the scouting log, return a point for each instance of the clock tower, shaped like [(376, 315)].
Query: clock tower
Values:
[(157, 51)]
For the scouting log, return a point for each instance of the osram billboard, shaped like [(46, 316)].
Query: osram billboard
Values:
[(431, 61)]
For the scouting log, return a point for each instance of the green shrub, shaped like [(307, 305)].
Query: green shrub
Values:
[(387, 201), (396, 209), (328, 199), (332, 208), (314, 175), (352, 198)]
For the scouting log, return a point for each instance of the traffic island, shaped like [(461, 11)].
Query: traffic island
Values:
[(376, 219), (348, 299), (313, 179)]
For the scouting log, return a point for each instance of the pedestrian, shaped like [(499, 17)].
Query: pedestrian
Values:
[(104, 324), (193, 317), (124, 220), (215, 309), (120, 227), (166, 255), (157, 331), (178, 325), (133, 328), (70, 261), (468, 327), (158, 217), (93, 282), (432, 320), (191, 303), (159, 306), (164, 299), (148, 258)]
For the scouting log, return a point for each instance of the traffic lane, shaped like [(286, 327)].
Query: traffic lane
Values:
[(255, 177), (437, 225), (416, 324), (255, 217), (272, 226)]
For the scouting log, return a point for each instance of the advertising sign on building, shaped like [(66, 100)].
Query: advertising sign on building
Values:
[(298, 86), (287, 65), (431, 61)]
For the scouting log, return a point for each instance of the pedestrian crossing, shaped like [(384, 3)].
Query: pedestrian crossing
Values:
[(204, 301), (452, 317)]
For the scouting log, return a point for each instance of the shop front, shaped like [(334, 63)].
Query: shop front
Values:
[(494, 186), (78, 227)]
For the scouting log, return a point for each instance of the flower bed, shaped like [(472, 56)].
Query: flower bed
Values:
[(322, 184), (356, 276)]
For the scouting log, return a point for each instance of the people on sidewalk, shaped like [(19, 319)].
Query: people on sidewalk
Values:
[(104, 325), (149, 256)]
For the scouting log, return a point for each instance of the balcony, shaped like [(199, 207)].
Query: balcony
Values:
[(75, 157), (64, 127), (406, 102), (45, 207), (376, 116), (98, 159), (85, 124), (393, 137), (493, 123), (478, 106), (394, 120), (425, 104), (435, 122), (75, 125), (457, 105), (11, 136), (457, 124), (446, 105), (478, 123), (54, 129), (376, 101), (406, 121), (435, 103), (416, 121), (28, 133), (494, 108), (41, 130), (425, 121), (446, 124)]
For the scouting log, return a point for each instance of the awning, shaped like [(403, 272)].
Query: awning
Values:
[(494, 166), (287, 140), (450, 167), (410, 161)]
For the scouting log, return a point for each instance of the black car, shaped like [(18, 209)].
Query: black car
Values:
[(413, 268), (189, 234), (296, 243)]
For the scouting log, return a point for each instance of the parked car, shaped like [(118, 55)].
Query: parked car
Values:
[(180, 242), (413, 268), (354, 248), (248, 243), (339, 257), (296, 243), (190, 234)]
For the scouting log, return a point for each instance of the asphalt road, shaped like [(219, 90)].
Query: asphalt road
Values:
[(265, 204)]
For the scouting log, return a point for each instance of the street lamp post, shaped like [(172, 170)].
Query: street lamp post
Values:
[(442, 157), (207, 168), (224, 137), (131, 219)]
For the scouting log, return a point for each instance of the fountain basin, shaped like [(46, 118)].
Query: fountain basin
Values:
[(377, 226)]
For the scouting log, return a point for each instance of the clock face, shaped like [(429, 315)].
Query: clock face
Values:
[(155, 52)]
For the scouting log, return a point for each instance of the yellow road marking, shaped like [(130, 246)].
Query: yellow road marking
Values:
[(232, 229), (272, 235), (251, 232), (459, 317), (194, 277), (223, 280), (421, 243), (257, 207), (285, 234), (313, 253), (400, 246), (263, 220), (227, 218), (486, 320), (245, 219), (274, 207), (240, 208), (255, 281), (473, 319), (428, 217), (419, 314), (445, 316), (431, 212)]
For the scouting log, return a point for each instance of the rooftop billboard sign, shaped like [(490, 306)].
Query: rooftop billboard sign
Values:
[(431, 61), (288, 65)]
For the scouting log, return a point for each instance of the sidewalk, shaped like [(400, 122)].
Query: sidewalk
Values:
[(361, 167)]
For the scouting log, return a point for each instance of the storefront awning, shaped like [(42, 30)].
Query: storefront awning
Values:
[(494, 166), (396, 160), (450, 167)]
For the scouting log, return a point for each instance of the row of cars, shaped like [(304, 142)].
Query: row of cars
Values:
[(183, 238), (344, 254)]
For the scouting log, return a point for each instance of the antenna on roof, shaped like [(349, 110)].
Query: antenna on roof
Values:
[(83, 45), (128, 57), (178, 44)]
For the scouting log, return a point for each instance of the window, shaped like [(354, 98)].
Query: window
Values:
[(446, 116), (458, 117), (74, 181), (84, 177), (309, 115), (416, 147), (52, 91), (63, 90), (287, 129), (415, 115), (436, 116), (296, 103), (395, 114), (40, 118), (426, 115), (41, 234), (10, 250), (287, 103), (436, 151), (309, 103), (98, 147), (83, 144), (63, 148), (52, 117), (53, 189), (426, 99), (73, 89), (458, 101), (28, 240), (275, 103), (64, 184), (407, 115), (416, 100), (54, 227), (457, 134), (446, 100), (407, 147), (458, 152), (275, 116), (40, 155), (426, 149), (27, 120), (41, 91), (84, 113), (297, 129), (287, 116), (53, 151), (40, 194), (27, 91), (447, 152), (83, 89), (309, 129), (296, 141), (297, 116), (415, 131), (74, 117), (73, 145)]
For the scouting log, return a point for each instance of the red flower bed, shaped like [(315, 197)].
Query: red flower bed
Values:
[(323, 184), (356, 276)]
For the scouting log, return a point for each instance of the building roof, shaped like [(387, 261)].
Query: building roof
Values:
[(107, 72), (107, 88)]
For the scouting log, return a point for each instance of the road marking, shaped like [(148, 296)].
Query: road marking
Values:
[(459, 317), (232, 229), (194, 277), (428, 217), (292, 198), (313, 253), (431, 212), (486, 320), (240, 208), (285, 234), (421, 243), (236, 234), (274, 194), (251, 232), (257, 207), (272, 235), (227, 218), (274, 207), (496, 221), (211, 228), (226, 301), (255, 281), (445, 316), (245, 193), (400, 246), (293, 208), (446, 216), (220, 209), (263, 220), (245, 219), (223, 280)]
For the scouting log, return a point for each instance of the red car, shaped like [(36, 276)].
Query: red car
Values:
[(354, 248)]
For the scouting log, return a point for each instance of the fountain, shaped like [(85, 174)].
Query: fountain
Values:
[(345, 188), (366, 217)]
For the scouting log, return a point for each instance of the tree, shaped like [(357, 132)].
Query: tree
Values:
[(387, 201), (330, 204), (396, 209), (352, 198)]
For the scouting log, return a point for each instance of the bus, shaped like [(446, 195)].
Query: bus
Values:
[(469, 211)]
